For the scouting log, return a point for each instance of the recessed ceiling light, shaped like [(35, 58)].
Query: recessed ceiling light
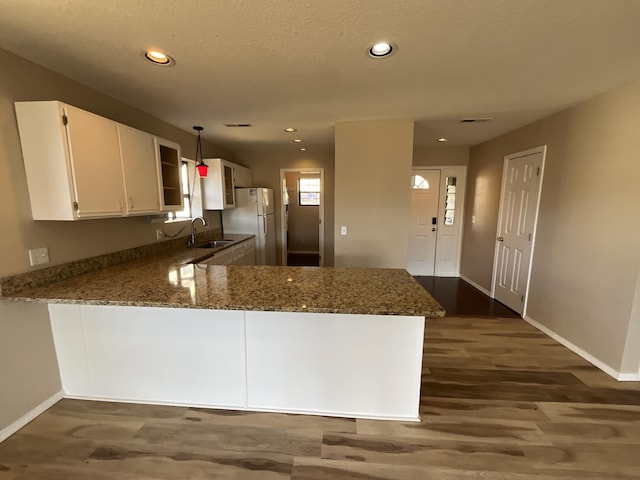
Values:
[(159, 58), (381, 49), (289, 129), (442, 139), (303, 149), (297, 140)]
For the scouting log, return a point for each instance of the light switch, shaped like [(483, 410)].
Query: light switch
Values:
[(343, 230), (38, 256)]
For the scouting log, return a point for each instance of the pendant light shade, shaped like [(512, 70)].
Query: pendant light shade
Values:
[(200, 165)]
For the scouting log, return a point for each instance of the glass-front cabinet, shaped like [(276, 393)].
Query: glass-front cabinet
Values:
[(218, 185), (170, 162)]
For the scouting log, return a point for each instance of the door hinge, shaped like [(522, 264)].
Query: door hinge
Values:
[(538, 172), (75, 206), (65, 120), (522, 298), (529, 237)]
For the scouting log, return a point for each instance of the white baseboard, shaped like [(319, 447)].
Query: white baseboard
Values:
[(474, 284), (244, 408), (27, 417), (623, 377)]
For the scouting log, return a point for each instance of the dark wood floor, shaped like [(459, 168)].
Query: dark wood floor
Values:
[(303, 259), (500, 400), (460, 298)]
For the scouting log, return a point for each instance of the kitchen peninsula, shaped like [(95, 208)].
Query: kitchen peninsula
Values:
[(329, 341)]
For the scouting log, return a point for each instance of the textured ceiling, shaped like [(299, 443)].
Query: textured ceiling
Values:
[(276, 63)]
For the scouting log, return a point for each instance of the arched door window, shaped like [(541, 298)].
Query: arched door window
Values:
[(419, 183)]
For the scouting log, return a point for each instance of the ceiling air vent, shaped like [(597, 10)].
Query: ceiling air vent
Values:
[(236, 125), (476, 119)]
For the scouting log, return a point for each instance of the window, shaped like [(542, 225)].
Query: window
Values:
[(309, 191), (185, 213), (419, 183), (450, 200)]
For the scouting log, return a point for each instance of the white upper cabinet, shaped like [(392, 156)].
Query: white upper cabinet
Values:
[(169, 163), (72, 162), (218, 185), (80, 165), (243, 176), (140, 169)]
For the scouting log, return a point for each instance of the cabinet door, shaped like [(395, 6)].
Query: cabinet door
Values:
[(224, 257), (250, 252), (218, 185), (243, 176), (140, 170), (95, 162), (228, 184), (170, 162)]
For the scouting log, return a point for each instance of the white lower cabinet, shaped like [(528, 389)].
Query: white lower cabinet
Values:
[(154, 355), (365, 366), (334, 364), (240, 254)]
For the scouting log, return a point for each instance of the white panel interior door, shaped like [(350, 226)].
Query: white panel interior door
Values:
[(518, 212), (421, 253)]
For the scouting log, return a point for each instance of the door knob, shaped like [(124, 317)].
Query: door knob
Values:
[(433, 229), (501, 239)]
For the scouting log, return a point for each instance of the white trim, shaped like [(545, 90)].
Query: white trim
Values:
[(532, 151), (623, 377), (9, 430), (283, 232), (474, 284), (242, 408)]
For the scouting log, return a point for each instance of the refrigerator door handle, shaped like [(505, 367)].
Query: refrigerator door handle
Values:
[(264, 224)]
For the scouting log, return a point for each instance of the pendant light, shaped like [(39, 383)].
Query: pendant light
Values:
[(200, 165)]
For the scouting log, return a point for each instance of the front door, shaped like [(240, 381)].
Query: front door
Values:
[(518, 214), (425, 195)]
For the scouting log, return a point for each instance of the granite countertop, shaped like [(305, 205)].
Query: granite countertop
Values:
[(168, 280)]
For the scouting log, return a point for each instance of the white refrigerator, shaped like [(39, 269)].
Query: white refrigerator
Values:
[(253, 214)]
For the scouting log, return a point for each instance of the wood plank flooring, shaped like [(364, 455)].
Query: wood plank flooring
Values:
[(500, 400), (461, 298)]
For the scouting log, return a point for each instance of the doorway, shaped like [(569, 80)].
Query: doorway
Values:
[(517, 221), (435, 229), (302, 214)]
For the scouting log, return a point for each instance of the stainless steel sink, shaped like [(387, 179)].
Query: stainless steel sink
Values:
[(215, 243)]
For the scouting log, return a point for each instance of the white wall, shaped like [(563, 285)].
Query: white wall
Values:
[(372, 199), (587, 253)]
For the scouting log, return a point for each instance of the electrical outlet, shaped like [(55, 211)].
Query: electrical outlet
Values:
[(38, 256), (343, 230), (159, 234)]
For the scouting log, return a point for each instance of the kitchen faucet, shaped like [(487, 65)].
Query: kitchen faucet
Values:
[(193, 229)]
